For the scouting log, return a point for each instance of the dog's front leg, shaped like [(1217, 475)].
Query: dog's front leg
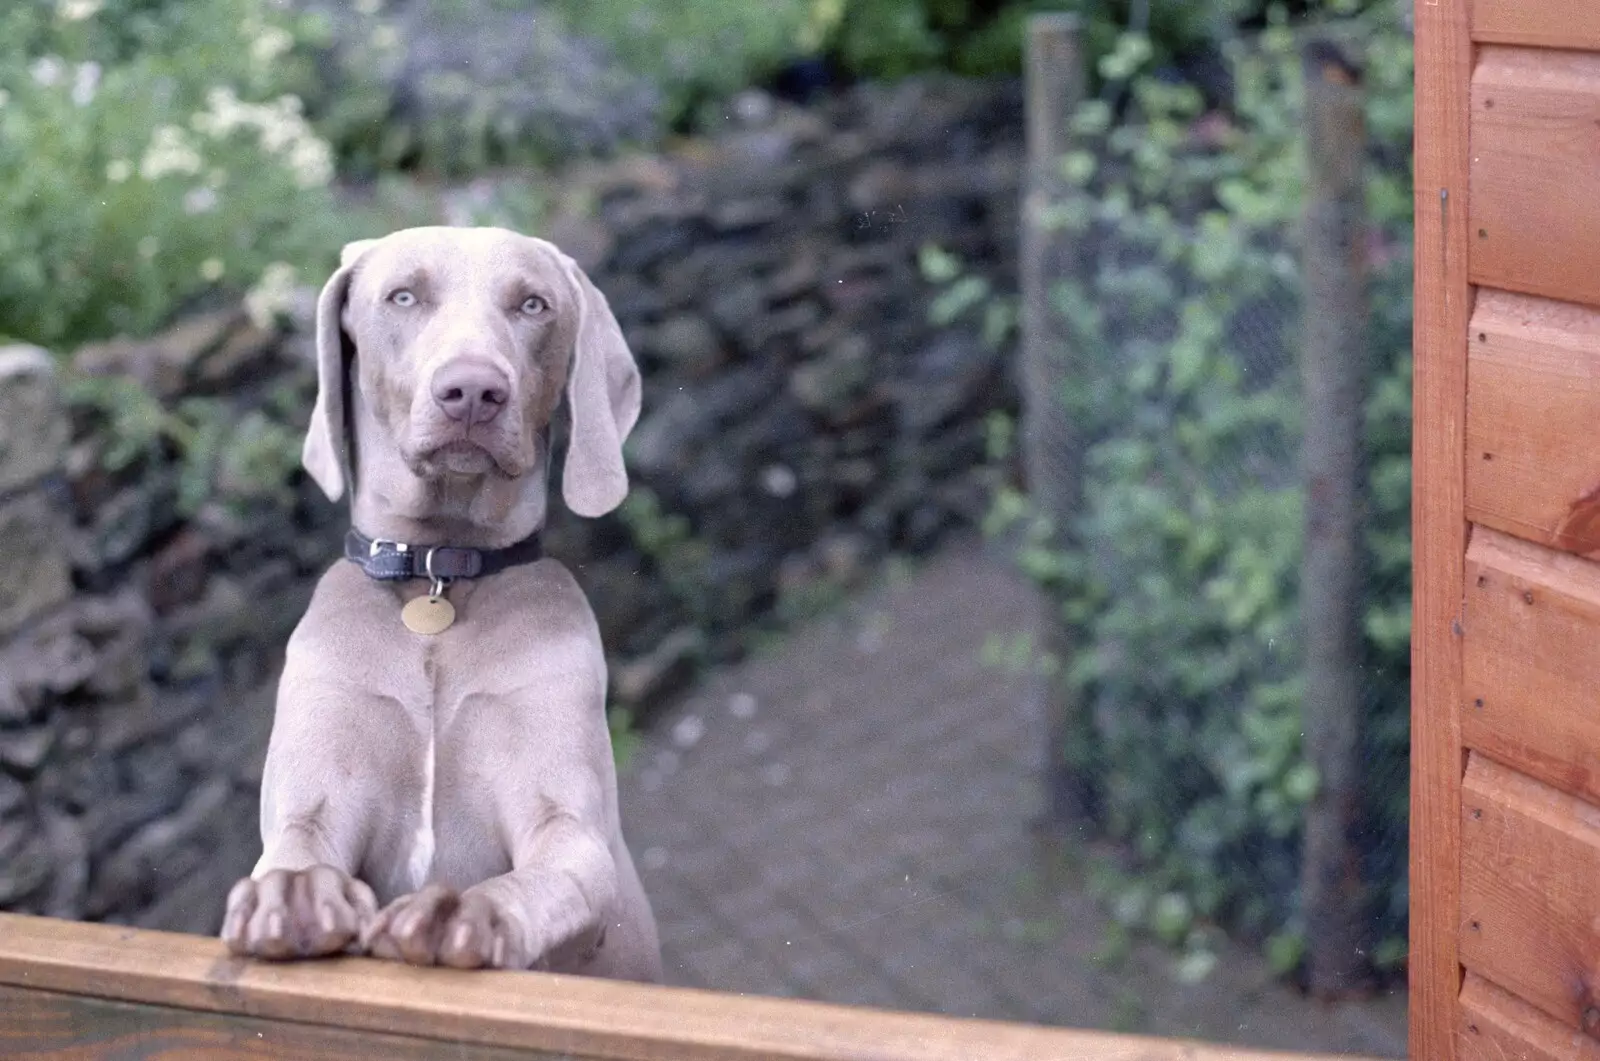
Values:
[(549, 912), (302, 900)]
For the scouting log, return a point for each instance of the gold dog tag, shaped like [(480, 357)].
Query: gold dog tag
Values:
[(428, 615)]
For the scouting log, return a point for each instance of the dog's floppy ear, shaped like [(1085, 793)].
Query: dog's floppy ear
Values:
[(326, 454), (603, 397)]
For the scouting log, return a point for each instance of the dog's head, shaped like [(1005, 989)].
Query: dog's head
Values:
[(460, 343)]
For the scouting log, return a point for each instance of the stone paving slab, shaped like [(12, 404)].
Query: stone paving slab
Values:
[(847, 820)]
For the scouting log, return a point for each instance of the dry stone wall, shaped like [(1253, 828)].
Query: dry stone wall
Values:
[(803, 417), (804, 413)]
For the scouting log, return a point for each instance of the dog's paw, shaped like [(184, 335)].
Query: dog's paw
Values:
[(438, 926), (297, 913)]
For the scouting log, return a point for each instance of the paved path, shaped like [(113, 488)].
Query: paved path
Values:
[(846, 820)]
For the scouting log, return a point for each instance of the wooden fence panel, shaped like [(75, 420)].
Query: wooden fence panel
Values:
[(1537, 23), (1530, 860), (1536, 172), (1533, 454), (1497, 1026), (1530, 667)]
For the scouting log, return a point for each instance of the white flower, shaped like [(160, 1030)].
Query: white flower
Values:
[(272, 295), (78, 10), (211, 270), (200, 200), (84, 83), (5, 97), (369, 7), (119, 170), (269, 44), (222, 115), (169, 152), (281, 129), (47, 70), (311, 162), (149, 247)]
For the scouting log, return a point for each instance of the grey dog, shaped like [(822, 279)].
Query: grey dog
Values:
[(439, 786)]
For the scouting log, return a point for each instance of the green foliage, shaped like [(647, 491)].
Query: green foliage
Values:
[(695, 51), (214, 453), (892, 38), (1182, 317), (151, 154), (961, 293), (458, 87), (679, 558), (700, 52)]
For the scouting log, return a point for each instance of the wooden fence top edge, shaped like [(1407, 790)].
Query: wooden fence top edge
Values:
[(535, 1011)]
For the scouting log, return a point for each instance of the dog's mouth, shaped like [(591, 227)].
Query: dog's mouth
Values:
[(463, 458), (458, 457)]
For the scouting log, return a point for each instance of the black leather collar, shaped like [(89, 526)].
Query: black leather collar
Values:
[(391, 561)]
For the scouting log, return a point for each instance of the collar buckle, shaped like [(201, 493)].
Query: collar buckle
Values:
[(379, 544), (438, 582)]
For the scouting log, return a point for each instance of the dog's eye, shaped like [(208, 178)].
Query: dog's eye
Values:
[(533, 305), (403, 298)]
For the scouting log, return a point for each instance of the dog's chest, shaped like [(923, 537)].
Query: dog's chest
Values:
[(447, 824), (469, 716), (468, 725)]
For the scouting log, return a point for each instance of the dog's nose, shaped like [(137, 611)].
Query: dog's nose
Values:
[(469, 392)]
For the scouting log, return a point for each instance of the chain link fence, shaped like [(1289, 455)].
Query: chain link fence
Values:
[(1217, 433)]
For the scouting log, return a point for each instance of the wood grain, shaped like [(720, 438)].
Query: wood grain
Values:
[(1530, 911), (1497, 1026), (1439, 528), (1536, 172), (1530, 665), (1537, 23), (1533, 454), (45, 1026), (191, 977)]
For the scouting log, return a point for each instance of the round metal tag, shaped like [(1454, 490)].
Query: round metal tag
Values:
[(428, 615)]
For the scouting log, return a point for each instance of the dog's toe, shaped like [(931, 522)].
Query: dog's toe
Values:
[(412, 928), (463, 947), (236, 920), (292, 914), (476, 936), (323, 911)]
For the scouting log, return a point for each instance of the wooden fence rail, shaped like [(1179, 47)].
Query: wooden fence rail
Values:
[(85, 992)]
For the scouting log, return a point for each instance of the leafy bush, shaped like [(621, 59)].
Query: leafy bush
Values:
[(1184, 312), (890, 38), (695, 50), (151, 155), (214, 452), (458, 86)]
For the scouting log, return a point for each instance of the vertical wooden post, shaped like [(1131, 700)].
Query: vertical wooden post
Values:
[(1051, 442), (1438, 513), (1333, 385)]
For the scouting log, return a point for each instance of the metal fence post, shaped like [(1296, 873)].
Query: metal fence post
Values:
[(1051, 442), (1334, 383)]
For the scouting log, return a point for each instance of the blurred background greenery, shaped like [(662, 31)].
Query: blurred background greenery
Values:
[(155, 152)]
